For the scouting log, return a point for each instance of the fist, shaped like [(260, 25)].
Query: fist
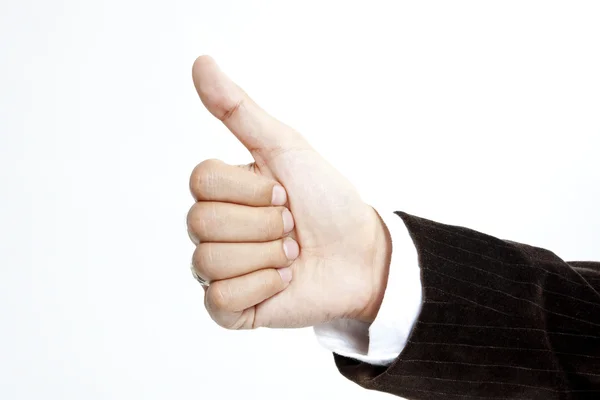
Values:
[(285, 241)]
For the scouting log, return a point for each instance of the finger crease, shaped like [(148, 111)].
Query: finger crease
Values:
[(232, 110)]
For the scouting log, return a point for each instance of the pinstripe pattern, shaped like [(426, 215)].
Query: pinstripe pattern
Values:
[(500, 320)]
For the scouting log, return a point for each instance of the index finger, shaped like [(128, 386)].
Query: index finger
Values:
[(213, 180)]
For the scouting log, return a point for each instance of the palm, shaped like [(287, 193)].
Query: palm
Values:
[(331, 223)]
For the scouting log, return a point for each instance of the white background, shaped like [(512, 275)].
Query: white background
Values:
[(484, 114)]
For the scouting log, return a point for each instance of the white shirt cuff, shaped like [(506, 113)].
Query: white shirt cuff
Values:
[(381, 342)]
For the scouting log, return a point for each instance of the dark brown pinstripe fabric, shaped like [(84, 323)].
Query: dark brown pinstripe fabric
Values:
[(500, 320)]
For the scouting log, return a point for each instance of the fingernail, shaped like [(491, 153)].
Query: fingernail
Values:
[(291, 249), (279, 198), (286, 274), (288, 221)]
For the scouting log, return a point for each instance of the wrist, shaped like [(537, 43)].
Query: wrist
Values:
[(379, 271)]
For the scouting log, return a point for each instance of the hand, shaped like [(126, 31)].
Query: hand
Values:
[(338, 249)]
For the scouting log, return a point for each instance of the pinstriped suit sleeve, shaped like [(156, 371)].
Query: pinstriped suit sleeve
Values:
[(499, 320)]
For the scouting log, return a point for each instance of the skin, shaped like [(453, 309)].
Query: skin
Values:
[(286, 241)]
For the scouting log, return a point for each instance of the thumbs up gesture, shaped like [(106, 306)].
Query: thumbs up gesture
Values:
[(285, 241)]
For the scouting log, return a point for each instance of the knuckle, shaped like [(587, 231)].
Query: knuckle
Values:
[(224, 323), (204, 179), (229, 322), (220, 318), (219, 297), (191, 214), (203, 261), (198, 217)]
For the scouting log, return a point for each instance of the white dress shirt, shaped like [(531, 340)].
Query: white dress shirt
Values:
[(381, 342)]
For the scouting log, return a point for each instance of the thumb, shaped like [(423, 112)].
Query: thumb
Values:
[(263, 135)]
